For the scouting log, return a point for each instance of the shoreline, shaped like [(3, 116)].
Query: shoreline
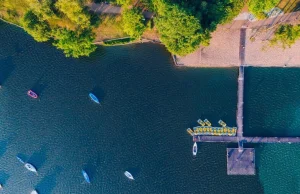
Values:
[(224, 47), (10, 23)]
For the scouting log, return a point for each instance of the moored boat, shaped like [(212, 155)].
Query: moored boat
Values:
[(32, 94), (34, 192), (195, 149), (128, 175), (207, 122), (86, 176), (30, 167), (190, 131), (222, 123), (94, 98), (202, 123)]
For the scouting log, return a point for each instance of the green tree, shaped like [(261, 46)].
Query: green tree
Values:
[(42, 8), (74, 44), (286, 35), (74, 10), (212, 12), (39, 30), (260, 7), (179, 31), (133, 24), (124, 2)]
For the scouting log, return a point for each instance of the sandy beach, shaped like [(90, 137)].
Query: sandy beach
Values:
[(225, 46)]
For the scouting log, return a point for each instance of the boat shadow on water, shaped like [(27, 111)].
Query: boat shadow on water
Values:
[(3, 147), (3, 177), (39, 86), (48, 183), (38, 158), (91, 168), (6, 68), (99, 92), (134, 171)]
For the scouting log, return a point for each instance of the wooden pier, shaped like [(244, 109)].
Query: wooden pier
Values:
[(240, 161)]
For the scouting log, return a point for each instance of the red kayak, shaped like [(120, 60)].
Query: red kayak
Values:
[(32, 94)]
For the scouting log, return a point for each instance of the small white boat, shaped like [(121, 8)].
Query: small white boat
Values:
[(195, 149), (129, 175), (30, 167), (86, 176), (34, 192), (1, 187), (94, 98)]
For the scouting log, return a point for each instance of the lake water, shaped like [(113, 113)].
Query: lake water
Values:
[(147, 104)]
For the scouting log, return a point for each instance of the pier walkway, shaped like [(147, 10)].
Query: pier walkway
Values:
[(228, 139), (240, 103)]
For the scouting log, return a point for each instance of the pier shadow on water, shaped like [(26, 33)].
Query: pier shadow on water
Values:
[(6, 68), (3, 177), (38, 158), (48, 183)]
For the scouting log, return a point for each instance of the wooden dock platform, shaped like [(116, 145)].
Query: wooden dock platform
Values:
[(240, 163)]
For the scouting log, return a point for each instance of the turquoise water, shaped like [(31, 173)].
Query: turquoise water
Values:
[(147, 104), (272, 108)]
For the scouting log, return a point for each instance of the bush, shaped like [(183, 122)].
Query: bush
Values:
[(286, 35), (118, 41)]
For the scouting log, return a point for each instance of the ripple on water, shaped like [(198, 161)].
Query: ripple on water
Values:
[(147, 104)]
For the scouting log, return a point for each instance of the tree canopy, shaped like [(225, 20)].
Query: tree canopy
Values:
[(179, 31), (212, 12), (39, 30), (65, 22), (123, 2), (75, 44), (133, 24), (286, 35), (182, 24), (74, 11), (42, 8)]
